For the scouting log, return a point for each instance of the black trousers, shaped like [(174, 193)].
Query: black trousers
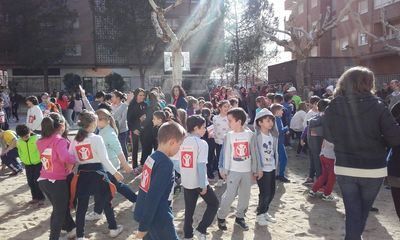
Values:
[(266, 185), (146, 139), (191, 196), (32, 175), (135, 148), (58, 195), (218, 148), (396, 199)]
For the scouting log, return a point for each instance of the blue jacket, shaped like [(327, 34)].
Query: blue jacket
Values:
[(181, 103), (112, 143), (282, 130), (152, 206)]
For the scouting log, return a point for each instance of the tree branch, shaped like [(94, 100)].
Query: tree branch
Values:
[(173, 6)]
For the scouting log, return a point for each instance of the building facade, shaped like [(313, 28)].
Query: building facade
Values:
[(90, 57)]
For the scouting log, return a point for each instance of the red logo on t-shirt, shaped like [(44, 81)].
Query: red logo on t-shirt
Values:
[(46, 159), (241, 149), (31, 118), (146, 174), (84, 152), (187, 159)]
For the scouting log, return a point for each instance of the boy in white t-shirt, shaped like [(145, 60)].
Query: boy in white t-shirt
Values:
[(193, 155), (267, 140), (240, 165)]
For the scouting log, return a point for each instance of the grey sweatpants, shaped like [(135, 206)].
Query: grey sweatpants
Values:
[(237, 183)]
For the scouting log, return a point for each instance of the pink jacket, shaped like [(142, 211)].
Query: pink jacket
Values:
[(55, 157)]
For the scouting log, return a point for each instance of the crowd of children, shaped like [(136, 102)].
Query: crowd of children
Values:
[(191, 143)]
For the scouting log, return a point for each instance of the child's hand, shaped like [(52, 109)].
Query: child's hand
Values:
[(82, 91), (142, 118), (223, 175), (259, 175), (119, 176), (140, 234), (136, 132), (302, 143), (203, 192), (127, 168)]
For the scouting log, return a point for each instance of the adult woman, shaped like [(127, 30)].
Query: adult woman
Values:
[(135, 116), (119, 111), (34, 116), (146, 134), (62, 100), (359, 125), (178, 97), (56, 161)]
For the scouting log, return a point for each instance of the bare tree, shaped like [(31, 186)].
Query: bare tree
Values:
[(176, 40), (300, 42), (386, 25)]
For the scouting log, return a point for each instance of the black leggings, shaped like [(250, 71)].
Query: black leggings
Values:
[(396, 199)]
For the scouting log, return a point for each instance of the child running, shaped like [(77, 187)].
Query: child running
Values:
[(192, 167), (91, 178), (267, 140), (9, 151), (152, 210), (239, 164), (30, 157)]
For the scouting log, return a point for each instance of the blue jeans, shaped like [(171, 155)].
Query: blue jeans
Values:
[(123, 137), (358, 196), (282, 159), (162, 230)]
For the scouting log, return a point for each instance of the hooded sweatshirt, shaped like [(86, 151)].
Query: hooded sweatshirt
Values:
[(54, 156), (361, 127), (263, 150)]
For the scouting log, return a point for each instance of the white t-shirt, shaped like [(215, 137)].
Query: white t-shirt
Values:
[(268, 150), (34, 118), (308, 116), (297, 121), (241, 157), (221, 127), (192, 151)]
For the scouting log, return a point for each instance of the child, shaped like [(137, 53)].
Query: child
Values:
[(296, 124), (152, 210), (260, 102), (212, 162), (30, 157), (9, 151), (192, 167), (91, 178), (193, 106), (314, 141), (313, 111), (240, 163), (34, 115), (3, 116), (56, 168), (234, 102), (267, 140), (277, 110), (109, 133), (159, 117), (221, 127)]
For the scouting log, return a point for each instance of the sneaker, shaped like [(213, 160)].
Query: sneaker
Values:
[(329, 198), (242, 223), (199, 235), (220, 182), (115, 232), (93, 216), (15, 173), (71, 234), (40, 203), (222, 224), (283, 179), (309, 181), (311, 193), (33, 201), (82, 238), (269, 218), (374, 209), (261, 220)]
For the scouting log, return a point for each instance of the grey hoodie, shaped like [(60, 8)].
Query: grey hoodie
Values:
[(275, 134)]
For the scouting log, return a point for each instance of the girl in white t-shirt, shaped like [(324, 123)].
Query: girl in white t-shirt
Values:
[(221, 127)]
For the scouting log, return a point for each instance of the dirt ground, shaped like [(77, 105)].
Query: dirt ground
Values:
[(298, 216)]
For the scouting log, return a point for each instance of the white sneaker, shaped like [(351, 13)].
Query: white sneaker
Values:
[(82, 238), (260, 219), (199, 235), (93, 216), (71, 234), (269, 218), (115, 232), (220, 182)]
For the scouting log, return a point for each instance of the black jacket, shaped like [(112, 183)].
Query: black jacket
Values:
[(394, 157), (135, 111), (361, 127)]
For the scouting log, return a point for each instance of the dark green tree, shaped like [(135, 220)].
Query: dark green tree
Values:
[(71, 82), (114, 81), (36, 32)]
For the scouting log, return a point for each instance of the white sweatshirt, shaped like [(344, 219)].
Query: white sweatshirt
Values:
[(34, 118), (92, 150)]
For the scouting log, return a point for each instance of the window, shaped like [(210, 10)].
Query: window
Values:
[(363, 7), (314, 3), (383, 3), (314, 52), (344, 44), (300, 8), (362, 39), (391, 33), (73, 50)]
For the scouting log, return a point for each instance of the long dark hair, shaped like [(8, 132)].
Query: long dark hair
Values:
[(85, 119), (51, 124), (136, 93), (182, 92)]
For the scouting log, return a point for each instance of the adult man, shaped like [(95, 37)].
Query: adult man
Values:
[(296, 99), (395, 96)]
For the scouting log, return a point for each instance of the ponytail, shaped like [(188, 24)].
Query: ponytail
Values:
[(81, 135), (51, 124), (104, 114), (85, 119)]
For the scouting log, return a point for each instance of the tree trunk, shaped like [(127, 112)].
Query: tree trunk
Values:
[(300, 74), (237, 66), (142, 73), (46, 79), (177, 59)]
